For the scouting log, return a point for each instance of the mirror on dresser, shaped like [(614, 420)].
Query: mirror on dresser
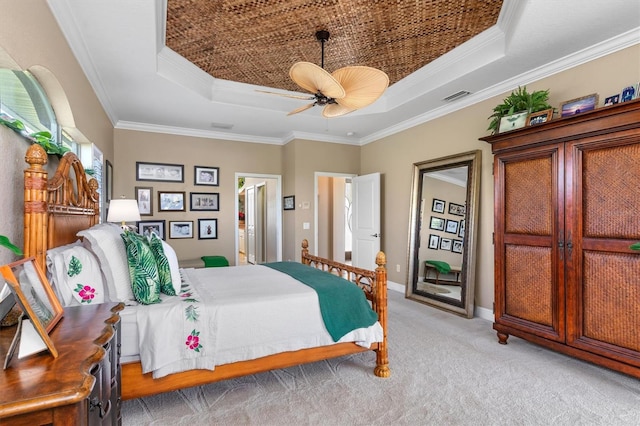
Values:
[(442, 232)]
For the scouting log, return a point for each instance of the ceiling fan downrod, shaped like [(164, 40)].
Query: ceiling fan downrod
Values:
[(322, 36)]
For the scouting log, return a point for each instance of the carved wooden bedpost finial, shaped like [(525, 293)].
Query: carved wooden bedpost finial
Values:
[(35, 204), (305, 251)]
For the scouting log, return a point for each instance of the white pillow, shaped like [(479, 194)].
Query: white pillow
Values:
[(83, 284), (55, 266), (105, 242), (176, 280)]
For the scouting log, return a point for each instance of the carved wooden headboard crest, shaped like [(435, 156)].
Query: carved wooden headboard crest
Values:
[(55, 210)]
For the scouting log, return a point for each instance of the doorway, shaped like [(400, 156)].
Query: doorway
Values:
[(332, 233), (258, 215)]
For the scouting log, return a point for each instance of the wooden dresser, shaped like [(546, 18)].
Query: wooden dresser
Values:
[(79, 387), (567, 207)]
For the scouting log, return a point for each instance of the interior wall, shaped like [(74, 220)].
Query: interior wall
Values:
[(458, 132), (231, 158), (308, 157), (30, 36)]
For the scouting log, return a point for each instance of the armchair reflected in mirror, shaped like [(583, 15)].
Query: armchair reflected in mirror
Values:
[(442, 258)]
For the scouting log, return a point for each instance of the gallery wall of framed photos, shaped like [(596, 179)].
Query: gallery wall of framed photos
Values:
[(443, 222), (175, 207)]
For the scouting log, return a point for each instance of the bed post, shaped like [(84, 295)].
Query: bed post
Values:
[(305, 251), (380, 306), (35, 205)]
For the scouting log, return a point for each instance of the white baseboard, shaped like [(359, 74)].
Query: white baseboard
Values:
[(479, 312)]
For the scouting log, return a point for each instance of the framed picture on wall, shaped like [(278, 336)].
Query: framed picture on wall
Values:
[(434, 241), (461, 228), (289, 202), (206, 175), (456, 247), (436, 223), (171, 201), (205, 201), (437, 206), (207, 229), (457, 209), (160, 172), (452, 226), (144, 196), (146, 227), (181, 229), (445, 244)]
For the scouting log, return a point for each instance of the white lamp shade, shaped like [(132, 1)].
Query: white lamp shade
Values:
[(121, 210)]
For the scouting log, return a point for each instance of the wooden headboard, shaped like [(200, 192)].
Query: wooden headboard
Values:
[(55, 210)]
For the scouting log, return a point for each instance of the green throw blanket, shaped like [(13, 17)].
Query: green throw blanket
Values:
[(342, 303), (441, 267)]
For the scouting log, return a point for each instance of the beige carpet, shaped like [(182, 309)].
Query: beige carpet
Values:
[(445, 370)]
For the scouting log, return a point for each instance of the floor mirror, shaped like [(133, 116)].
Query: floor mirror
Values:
[(442, 232)]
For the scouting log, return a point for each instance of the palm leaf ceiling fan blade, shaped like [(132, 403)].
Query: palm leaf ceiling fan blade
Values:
[(302, 108), (363, 85), (286, 95), (315, 79), (335, 110)]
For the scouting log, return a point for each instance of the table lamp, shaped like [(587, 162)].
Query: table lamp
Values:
[(122, 210)]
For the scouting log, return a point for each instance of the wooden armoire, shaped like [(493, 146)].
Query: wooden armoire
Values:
[(567, 208)]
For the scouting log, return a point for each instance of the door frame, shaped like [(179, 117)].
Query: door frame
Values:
[(278, 205), (316, 196)]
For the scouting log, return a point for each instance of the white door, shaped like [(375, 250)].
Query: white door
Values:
[(366, 220), (250, 223)]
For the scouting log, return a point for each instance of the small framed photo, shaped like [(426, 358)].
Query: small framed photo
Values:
[(205, 201), (181, 229), (289, 202), (513, 122), (171, 201), (207, 229), (456, 247), (206, 175), (159, 172), (539, 117), (452, 226), (35, 296), (434, 241), (612, 100), (436, 223), (437, 206), (146, 227), (144, 195), (445, 244), (457, 209), (629, 93), (579, 105), (463, 224)]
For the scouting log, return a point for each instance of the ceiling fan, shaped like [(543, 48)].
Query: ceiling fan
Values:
[(341, 92)]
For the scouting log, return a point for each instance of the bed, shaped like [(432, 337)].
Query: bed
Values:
[(56, 210)]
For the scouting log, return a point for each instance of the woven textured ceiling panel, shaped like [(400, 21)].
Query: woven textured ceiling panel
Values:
[(256, 42)]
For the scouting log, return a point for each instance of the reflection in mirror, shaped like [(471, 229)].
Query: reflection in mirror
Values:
[(442, 232)]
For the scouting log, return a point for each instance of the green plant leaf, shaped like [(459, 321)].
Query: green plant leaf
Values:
[(75, 266), (4, 242), (635, 246)]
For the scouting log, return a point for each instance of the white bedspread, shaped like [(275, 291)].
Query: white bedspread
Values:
[(251, 312)]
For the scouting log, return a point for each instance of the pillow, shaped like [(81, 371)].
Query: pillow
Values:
[(76, 274), (176, 279), (162, 263), (105, 242), (55, 266), (145, 283)]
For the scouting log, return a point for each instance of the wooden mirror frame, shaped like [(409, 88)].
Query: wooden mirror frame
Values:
[(472, 159)]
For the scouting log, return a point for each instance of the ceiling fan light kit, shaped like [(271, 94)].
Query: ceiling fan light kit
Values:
[(341, 92)]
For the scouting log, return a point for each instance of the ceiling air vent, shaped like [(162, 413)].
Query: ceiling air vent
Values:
[(456, 96), (225, 126)]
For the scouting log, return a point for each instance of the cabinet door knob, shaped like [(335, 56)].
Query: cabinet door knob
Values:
[(95, 403)]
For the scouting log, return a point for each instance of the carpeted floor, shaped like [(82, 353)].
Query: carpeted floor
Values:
[(445, 370)]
